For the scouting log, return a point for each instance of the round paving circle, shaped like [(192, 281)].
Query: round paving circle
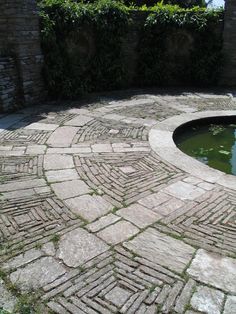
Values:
[(101, 213)]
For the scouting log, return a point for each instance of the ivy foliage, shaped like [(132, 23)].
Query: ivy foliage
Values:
[(181, 46), (69, 73), (176, 46)]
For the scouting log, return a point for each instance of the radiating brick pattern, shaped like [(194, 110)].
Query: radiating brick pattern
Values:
[(24, 222), (105, 130), (109, 173), (209, 223), (118, 282), (18, 166), (23, 137)]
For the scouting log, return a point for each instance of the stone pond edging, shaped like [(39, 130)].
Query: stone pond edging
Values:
[(161, 141)]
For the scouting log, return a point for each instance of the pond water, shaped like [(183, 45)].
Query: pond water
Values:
[(214, 144)]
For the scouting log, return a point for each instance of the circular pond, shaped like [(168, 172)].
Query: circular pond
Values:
[(211, 141)]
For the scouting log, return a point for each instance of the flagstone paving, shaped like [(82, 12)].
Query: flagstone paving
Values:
[(93, 220)]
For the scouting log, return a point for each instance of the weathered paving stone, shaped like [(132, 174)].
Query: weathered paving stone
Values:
[(62, 137), (215, 270), (37, 274), (79, 246), (230, 305), (89, 207), (61, 175), (161, 249), (79, 120), (7, 300), (58, 161), (184, 191), (118, 296), (207, 300), (68, 189), (119, 232), (41, 126), (139, 215), (103, 222)]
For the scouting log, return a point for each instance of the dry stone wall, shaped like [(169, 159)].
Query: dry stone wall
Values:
[(20, 54)]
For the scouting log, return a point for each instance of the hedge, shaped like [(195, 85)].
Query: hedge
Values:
[(67, 74)]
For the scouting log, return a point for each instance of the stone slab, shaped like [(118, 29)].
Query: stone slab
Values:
[(58, 161), (61, 175), (103, 222), (7, 300), (62, 136), (89, 207), (215, 270), (139, 215), (230, 305), (184, 191), (207, 300), (42, 126), (119, 232), (79, 120), (79, 246), (161, 249), (37, 274), (68, 189)]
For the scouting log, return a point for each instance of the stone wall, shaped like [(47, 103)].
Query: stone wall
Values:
[(229, 35), (21, 57)]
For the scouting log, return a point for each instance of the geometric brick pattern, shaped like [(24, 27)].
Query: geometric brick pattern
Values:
[(119, 282), (105, 130), (209, 223), (155, 111), (23, 137), (145, 173), (26, 221), (87, 267), (21, 165)]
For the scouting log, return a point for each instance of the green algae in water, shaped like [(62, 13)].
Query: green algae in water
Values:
[(213, 144)]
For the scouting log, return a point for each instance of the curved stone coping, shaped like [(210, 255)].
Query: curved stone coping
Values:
[(161, 141)]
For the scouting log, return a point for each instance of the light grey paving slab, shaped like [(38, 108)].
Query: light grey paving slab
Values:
[(68, 189), (118, 296), (79, 120), (79, 246), (7, 300), (20, 185), (61, 175), (184, 191), (62, 136), (22, 259), (103, 222), (215, 270), (230, 305), (119, 232), (169, 207), (89, 207), (207, 300), (75, 149), (154, 199), (161, 249), (58, 161), (42, 126), (36, 149), (37, 274), (101, 148), (139, 215)]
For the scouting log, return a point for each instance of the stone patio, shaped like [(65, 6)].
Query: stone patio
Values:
[(94, 219)]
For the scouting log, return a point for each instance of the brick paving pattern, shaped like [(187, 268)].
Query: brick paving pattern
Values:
[(92, 220)]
